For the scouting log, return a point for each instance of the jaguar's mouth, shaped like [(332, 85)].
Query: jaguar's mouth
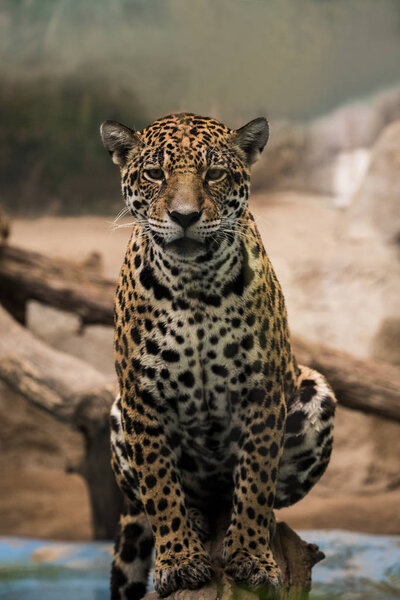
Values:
[(186, 247)]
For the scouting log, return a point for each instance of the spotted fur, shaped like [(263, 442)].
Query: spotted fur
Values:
[(213, 412)]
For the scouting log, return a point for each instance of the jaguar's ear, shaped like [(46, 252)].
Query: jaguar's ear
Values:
[(119, 141), (252, 138)]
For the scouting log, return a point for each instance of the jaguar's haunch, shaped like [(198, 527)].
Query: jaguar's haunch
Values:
[(213, 409)]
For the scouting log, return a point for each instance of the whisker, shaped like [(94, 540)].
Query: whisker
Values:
[(114, 225), (119, 216)]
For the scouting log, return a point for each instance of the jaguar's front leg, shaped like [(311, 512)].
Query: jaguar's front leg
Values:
[(247, 552), (181, 561)]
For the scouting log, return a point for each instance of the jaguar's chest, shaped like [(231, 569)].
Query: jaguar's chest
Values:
[(201, 364)]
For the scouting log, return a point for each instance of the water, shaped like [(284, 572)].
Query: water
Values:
[(357, 567), (38, 570)]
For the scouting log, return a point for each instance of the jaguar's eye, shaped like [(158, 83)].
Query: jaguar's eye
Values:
[(215, 174), (155, 174)]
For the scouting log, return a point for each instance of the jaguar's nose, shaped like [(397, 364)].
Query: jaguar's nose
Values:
[(185, 219)]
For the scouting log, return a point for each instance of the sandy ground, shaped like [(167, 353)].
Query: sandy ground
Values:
[(338, 291)]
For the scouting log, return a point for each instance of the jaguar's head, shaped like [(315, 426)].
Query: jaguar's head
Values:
[(185, 178)]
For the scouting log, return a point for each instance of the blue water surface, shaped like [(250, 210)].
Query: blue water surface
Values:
[(357, 567)]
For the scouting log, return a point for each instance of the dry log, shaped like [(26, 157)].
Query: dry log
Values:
[(26, 275), (75, 393), (367, 385), (294, 556)]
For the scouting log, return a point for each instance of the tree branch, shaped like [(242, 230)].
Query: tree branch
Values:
[(366, 385), (74, 392), (294, 556), (60, 283)]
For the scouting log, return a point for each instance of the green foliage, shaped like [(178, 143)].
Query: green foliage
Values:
[(51, 156)]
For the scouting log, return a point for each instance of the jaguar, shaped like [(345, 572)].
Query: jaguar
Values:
[(213, 411)]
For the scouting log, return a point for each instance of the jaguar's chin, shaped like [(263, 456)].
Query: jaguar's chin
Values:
[(186, 247)]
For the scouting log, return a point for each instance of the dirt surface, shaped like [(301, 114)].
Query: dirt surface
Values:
[(338, 292)]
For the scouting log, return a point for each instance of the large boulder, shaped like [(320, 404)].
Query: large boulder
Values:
[(375, 211), (330, 154)]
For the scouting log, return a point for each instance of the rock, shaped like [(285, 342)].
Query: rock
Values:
[(282, 164), (330, 154), (375, 211)]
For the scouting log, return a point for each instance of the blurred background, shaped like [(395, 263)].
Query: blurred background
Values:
[(326, 197), (67, 65)]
